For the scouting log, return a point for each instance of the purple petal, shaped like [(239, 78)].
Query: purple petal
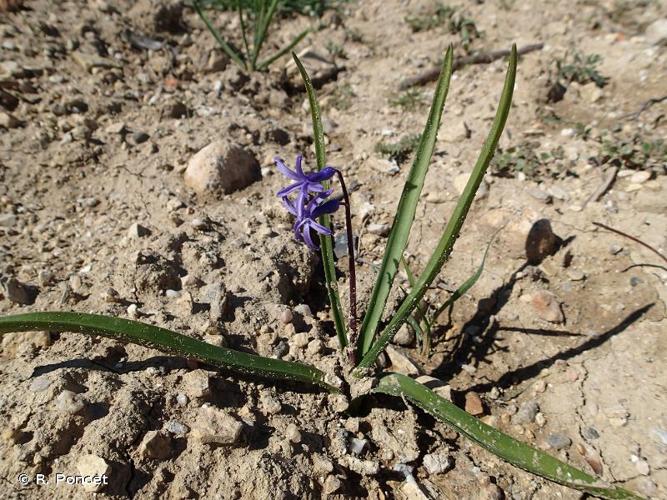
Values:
[(285, 170), (328, 207), (308, 239), (289, 205), (289, 189), (322, 175), (314, 187), (301, 204), (320, 228), (299, 171)]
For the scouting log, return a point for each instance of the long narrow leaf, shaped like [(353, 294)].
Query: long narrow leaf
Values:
[(467, 285), (405, 213), (223, 45), (265, 64), (451, 232), (326, 242), (164, 340), (263, 27), (500, 444)]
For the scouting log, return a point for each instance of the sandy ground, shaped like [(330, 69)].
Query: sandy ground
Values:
[(566, 352)]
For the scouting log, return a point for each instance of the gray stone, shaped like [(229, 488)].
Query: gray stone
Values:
[(70, 403), (526, 413), (404, 337), (176, 427), (378, 229), (20, 293), (558, 441), (138, 231), (436, 463), (400, 362), (221, 167)]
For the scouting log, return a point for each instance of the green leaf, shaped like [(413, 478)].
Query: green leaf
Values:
[(165, 340), (500, 444), (262, 27), (451, 232), (405, 213), (467, 284), (326, 242), (265, 64), (223, 45)]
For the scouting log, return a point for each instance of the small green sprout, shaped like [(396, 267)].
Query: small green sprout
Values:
[(398, 151)]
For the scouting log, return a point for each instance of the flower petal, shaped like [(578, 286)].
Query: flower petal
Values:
[(322, 175), (289, 205), (328, 207), (289, 189), (299, 171), (321, 229), (285, 170), (308, 238)]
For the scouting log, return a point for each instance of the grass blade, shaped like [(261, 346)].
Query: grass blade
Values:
[(283, 51), (165, 340), (500, 444), (223, 45), (451, 232), (405, 213), (326, 242)]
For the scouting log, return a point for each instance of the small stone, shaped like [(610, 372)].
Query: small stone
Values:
[(196, 384), (540, 419), (214, 426), (643, 467), (436, 463), (172, 294), (286, 317), (7, 220), (221, 167), (331, 485), (93, 465), (20, 293), (40, 384), (270, 405), (176, 427), (156, 445), (526, 413), (315, 347), (356, 446), (474, 404), (140, 137), (547, 307), (404, 337), (378, 229), (69, 402), (136, 230), (576, 275), (558, 441), (656, 32), (640, 177), (303, 310), (590, 433), (132, 310), (181, 399), (540, 195), (400, 362), (559, 193), (363, 467), (617, 416), (541, 242), (299, 340), (293, 434)]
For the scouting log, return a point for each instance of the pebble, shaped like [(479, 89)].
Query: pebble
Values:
[(656, 32), (615, 249), (590, 433), (181, 399), (340, 245), (474, 404), (214, 426), (132, 310), (196, 384), (299, 340), (19, 292), (356, 446), (315, 347), (221, 167), (404, 337), (378, 229), (546, 306), (540, 419), (293, 434), (156, 445), (640, 177), (540, 195), (7, 220), (93, 465), (541, 242), (641, 465), (286, 317), (400, 362), (526, 413), (270, 405), (559, 193), (136, 230), (70, 403), (576, 275), (303, 310), (40, 384), (363, 467), (176, 427), (331, 485), (558, 441), (436, 463)]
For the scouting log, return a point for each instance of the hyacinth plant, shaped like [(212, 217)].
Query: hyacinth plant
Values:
[(261, 13), (309, 198)]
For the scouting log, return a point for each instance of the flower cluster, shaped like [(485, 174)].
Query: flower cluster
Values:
[(310, 201)]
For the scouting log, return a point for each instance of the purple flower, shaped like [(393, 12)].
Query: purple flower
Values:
[(307, 182), (310, 202)]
